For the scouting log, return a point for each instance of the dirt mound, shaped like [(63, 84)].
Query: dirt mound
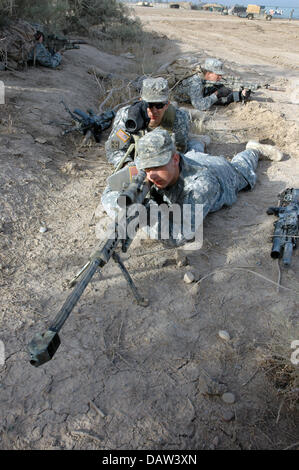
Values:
[(255, 120)]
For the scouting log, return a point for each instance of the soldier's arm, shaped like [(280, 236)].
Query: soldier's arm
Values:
[(119, 139), (181, 128), (196, 94)]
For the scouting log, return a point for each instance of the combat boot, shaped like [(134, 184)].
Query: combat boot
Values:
[(267, 152)]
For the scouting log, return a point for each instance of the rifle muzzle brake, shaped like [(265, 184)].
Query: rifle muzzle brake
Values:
[(43, 347)]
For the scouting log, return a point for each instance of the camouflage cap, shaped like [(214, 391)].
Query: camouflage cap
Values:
[(154, 90), (154, 149), (214, 65)]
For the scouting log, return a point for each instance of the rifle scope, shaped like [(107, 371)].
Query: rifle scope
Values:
[(138, 118)]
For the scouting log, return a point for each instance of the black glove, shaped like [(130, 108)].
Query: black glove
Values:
[(222, 92), (245, 95), (234, 96)]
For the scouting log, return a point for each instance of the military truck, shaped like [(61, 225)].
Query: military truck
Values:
[(257, 11)]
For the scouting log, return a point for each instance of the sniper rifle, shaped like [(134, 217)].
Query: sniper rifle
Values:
[(44, 345), (89, 122)]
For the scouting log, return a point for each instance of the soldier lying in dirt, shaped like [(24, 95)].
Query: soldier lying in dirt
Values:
[(204, 88), (194, 179), (39, 54)]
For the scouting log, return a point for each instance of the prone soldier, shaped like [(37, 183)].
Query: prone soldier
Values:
[(41, 55), (192, 178), (204, 88)]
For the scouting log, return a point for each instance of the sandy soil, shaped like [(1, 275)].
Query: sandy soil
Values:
[(128, 377)]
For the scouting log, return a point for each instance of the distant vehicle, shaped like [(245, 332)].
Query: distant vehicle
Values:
[(257, 11), (145, 4), (174, 5), (237, 10)]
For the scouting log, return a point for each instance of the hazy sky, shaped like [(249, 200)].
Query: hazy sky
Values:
[(279, 3)]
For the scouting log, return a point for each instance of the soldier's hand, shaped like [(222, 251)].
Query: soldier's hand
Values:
[(245, 94)]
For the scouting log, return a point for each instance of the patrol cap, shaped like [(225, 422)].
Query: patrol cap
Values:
[(214, 65), (154, 90), (154, 149)]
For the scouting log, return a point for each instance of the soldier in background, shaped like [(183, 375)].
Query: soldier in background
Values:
[(161, 113), (198, 88), (39, 54), (192, 178)]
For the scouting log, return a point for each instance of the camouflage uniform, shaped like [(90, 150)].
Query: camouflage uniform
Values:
[(175, 120), (40, 55), (116, 149), (193, 89), (204, 179)]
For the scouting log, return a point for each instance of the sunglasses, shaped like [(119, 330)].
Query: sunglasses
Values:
[(156, 105)]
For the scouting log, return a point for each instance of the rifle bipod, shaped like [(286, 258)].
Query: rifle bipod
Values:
[(43, 346), (140, 300)]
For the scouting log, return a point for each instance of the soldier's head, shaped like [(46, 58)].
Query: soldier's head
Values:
[(155, 92), (213, 70), (157, 155)]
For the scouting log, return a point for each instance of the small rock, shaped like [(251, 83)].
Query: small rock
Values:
[(228, 416), (228, 398), (43, 229), (182, 262), (181, 259), (189, 277), (41, 140), (215, 441), (224, 335)]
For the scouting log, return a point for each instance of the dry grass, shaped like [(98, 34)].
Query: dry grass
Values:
[(7, 126), (277, 364)]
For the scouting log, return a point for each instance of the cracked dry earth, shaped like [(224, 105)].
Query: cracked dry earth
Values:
[(125, 376)]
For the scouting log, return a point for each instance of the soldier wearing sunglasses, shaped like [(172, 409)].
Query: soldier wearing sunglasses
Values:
[(122, 145)]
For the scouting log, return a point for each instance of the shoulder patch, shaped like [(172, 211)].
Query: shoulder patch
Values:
[(122, 135)]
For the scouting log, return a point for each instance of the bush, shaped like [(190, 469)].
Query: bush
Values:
[(66, 14)]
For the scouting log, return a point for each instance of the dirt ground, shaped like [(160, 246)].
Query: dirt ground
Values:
[(125, 376)]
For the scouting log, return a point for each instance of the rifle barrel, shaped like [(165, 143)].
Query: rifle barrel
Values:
[(43, 346), (287, 252)]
